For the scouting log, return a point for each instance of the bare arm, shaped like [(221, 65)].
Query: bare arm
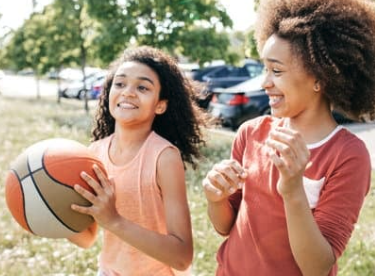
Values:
[(86, 238), (311, 250), (222, 181), (174, 248)]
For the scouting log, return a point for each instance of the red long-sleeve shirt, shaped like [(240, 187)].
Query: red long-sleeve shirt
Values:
[(335, 185)]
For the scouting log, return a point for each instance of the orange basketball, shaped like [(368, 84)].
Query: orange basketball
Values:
[(39, 187)]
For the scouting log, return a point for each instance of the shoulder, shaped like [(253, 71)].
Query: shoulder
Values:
[(258, 124), (99, 145), (348, 143), (157, 144), (257, 128)]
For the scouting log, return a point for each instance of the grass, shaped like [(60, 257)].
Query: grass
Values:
[(24, 122)]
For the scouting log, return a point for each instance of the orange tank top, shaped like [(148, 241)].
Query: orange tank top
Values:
[(138, 199)]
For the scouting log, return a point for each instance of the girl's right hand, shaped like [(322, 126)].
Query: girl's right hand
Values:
[(223, 180)]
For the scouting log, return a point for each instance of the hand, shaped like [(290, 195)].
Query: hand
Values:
[(289, 153), (103, 208), (223, 180)]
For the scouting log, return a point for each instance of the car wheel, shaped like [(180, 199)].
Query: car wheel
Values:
[(81, 95)]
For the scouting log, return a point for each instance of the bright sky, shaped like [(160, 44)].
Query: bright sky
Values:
[(14, 12)]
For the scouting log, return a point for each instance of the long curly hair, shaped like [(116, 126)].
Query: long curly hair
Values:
[(336, 42), (182, 121)]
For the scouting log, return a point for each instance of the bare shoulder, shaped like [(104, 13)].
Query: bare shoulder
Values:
[(169, 156), (170, 168)]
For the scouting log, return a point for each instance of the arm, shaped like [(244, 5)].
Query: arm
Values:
[(86, 238), (222, 181), (174, 248), (311, 250)]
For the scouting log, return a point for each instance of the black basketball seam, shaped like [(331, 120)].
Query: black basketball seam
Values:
[(40, 194), (23, 199)]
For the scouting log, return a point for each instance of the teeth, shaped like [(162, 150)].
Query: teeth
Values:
[(126, 105), (275, 99)]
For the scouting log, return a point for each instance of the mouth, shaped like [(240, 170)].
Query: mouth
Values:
[(126, 105), (275, 100)]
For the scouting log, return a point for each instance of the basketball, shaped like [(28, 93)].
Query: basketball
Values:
[(39, 187)]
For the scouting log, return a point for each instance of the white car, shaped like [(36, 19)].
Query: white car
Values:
[(75, 89)]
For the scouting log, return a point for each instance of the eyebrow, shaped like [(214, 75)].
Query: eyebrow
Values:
[(140, 78), (272, 60)]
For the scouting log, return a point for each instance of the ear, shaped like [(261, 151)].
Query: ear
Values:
[(161, 107), (316, 87)]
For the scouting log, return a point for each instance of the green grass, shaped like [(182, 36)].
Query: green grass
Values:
[(24, 122)]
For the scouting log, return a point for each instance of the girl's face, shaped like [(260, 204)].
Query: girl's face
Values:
[(289, 86), (134, 95)]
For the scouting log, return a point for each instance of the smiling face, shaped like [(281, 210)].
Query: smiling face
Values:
[(289, 86), (134, 95)]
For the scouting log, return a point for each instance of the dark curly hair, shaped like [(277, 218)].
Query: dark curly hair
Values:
[(336, 42), (182, 121)]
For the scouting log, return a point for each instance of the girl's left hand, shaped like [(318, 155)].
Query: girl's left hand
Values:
[(291, 156), (103, 208)]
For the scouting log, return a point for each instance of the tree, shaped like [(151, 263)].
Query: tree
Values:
[(203, 45), (160, 23), (26, 48)]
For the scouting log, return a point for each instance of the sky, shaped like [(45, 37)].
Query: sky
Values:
[(16, 11)]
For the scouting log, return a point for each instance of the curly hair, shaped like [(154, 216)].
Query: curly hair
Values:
[(182, 121), (336, 42)]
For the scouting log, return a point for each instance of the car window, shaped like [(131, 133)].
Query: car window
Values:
[(254, 70), (222, 72)]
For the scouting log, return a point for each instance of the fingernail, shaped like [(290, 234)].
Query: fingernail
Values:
[(218, 192), (231, 190), (240, 185)]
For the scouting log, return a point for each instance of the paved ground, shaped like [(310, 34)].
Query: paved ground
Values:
[(366, 132)]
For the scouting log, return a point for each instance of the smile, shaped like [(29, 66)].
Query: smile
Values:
[(125, 105)]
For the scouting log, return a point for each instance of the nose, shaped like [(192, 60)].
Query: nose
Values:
[(128, 91), (267, 81)]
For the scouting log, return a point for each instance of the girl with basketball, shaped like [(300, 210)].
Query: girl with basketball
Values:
[(146, 126), (291, 194)]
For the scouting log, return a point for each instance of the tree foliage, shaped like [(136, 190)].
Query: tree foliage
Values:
[(204, 45), (73, 32)]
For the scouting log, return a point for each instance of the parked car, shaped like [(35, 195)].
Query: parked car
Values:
[(234, 105), (228, 76), (232, 75), (75, 89), (96, 89), (200, 73)]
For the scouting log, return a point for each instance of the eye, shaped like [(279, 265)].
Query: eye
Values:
[(119, 84), (276, 71), (143, 88)]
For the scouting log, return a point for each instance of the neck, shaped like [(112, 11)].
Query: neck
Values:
[(313, 129), (125, 138)]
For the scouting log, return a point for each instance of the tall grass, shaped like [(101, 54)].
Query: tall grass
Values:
[(24, 122)]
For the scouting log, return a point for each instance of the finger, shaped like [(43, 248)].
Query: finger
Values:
[(284, 150), (222, 181), (292, 138), (211, 188), (85, 193), (101, 176), (236, 167), (80, 209), (279, 163), (232, 171), (92, 182)]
